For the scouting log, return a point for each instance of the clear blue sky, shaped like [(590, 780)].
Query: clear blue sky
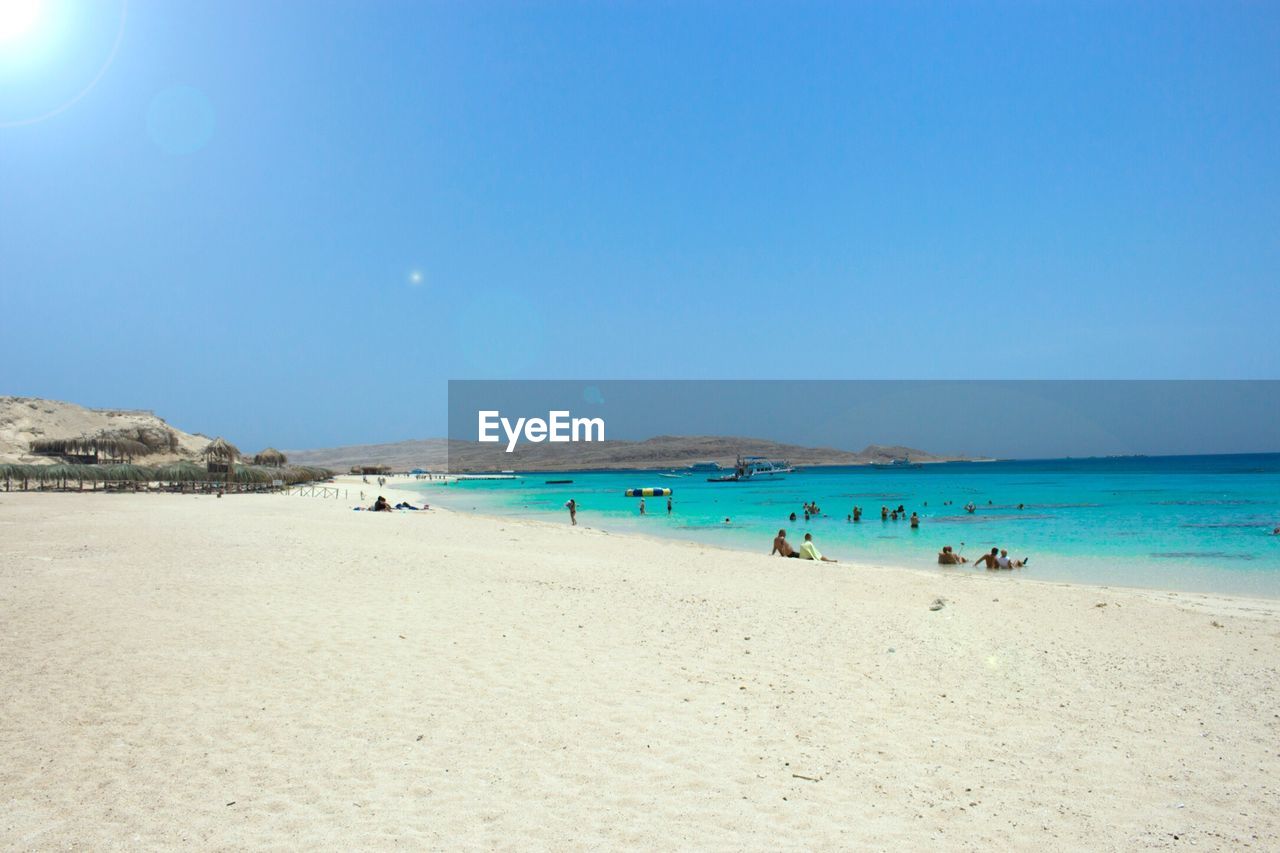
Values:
[(225, 226)]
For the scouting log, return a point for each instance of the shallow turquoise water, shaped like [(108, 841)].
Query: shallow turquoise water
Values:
[(1189, 523)]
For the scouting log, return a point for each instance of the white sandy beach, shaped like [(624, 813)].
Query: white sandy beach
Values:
[(265, 672)]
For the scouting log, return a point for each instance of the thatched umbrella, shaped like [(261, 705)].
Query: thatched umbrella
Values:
[(65, 473), (271, 457), (295, 474), (251, 474), (181, 472), (12, 472), (128, 474)]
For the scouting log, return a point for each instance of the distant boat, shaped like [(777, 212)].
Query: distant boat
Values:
[(755, 468), (705, 466), (674, 476), (898, 463), (558, 482)]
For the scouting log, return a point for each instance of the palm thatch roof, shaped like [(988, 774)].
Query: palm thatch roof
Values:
[(127, 474), (117, 446), (67, 472), (251, 474), (17, 471), (295, 474), (181, 472), (221, 450), (270, 456)]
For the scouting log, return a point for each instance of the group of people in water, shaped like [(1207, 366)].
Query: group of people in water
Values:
[(670, 505), (996, 560)]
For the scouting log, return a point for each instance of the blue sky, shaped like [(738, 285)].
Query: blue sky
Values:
[(225, 226)]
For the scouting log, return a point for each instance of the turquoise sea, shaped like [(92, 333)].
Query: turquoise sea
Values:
[(1195, 523)]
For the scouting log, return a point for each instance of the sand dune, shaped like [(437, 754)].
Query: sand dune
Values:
[(23, 419), (271, 671)]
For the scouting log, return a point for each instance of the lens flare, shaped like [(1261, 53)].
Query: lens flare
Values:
[(18, 17)]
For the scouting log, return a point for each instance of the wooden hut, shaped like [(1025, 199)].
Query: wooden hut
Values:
[(219, 457)]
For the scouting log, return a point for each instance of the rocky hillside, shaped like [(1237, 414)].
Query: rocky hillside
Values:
[(27, 419)]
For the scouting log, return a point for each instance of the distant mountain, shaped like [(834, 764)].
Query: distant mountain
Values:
[(431, 454), (664, 451)]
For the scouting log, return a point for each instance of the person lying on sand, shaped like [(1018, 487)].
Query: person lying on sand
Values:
[(947, 557), (782, 547), (809, 551)]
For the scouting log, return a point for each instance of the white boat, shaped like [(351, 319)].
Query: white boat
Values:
[(755, 468), (705, 466), (899, 463)]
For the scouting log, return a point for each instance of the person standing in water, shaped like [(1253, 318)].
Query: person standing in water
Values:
[(642, 506), (668, 505), (573, 511)]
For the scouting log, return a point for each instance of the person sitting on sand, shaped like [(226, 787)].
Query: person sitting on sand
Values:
[(1004, 562), (380, 505), (809, 551), (947, 557), (782, 547), (988, 561)]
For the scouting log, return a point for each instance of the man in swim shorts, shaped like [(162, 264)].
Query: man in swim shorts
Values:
[(782, 547)]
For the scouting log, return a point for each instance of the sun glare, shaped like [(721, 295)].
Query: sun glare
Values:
[(18, 17)]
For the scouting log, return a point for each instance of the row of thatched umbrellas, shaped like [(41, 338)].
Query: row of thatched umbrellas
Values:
[(177, 472), (221, 466)]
